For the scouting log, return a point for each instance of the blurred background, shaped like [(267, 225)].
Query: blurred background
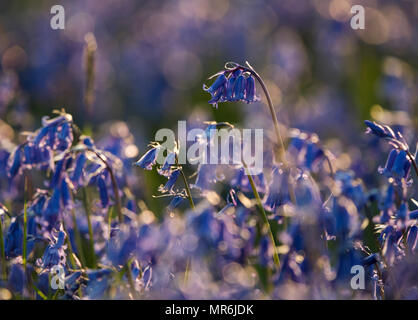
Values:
[(151, 58)]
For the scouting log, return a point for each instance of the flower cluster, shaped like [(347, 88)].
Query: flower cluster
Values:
[(233, 84), (299, 224)]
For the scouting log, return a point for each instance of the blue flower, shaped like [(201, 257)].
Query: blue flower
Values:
[(371, 259), (232, 85), (386, 132), (413, 214), (169, 161), (14, 239), (411, 240), (240, 180), (98, 283), (278, 190), (347, 258), (389, 163), (17, 278), (351, 187), (16, 162), (206, 177), (53, 207), (13, 245), (379, 130), (171, 181), (148, 159), (121, 246), (175, 202), (104, 197), (55, 252), (65, 192), (78, 169)]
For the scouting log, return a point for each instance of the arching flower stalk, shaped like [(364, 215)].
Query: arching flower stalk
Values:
[(236, 83)]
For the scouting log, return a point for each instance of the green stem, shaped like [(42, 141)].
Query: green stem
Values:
[(272, 112), (264, 216), (131, 281), (70, 248), (88, 214), (114, 185), (186, 184), (414, 164), (282, 151), (78, 240)]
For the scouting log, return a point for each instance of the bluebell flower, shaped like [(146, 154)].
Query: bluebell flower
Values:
[(402, 212), (278, 190), (232, 85), (369, 260), (347, 222), (398, 165), (306, 191), (175, 202), (72, 283), (55, 252), (14, 239), (13, 244), (240, 180), (381, 131), (401, 165), (53, 207), (38, 201), (121, 246), (347, 258), (413, 214), (65, 192), (56, 178), (104, 197), (171, 181), (170, 160), (148, 159), (206, 177), (207, 228), (387, 206), (411, 240), (389, 163), (16, 281), (306, 149), (351, 187), (78, 169), (16, 162), (98, 282), (390, 247)]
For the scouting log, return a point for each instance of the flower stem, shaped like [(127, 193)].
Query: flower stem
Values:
[(131, 281), (78, 239), (114, 185), (282, 150), (414, 164), (186, 184), (263, 213), (86, 204), (272, 112), (69, 246)]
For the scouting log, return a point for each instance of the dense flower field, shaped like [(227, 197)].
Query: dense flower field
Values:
[(88, 213)]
